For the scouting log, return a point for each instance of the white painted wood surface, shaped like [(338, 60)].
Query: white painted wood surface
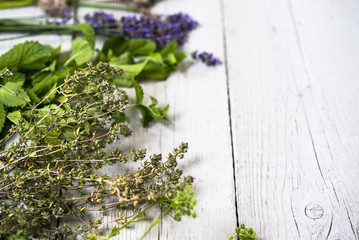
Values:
[(291, 69)]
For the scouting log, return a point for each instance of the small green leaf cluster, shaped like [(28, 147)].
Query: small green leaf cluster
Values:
[(51, 172), (37, 70), (243, 233)]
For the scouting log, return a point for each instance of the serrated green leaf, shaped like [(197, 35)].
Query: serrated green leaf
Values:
[(2, 116), (14, 116), (45, 80), (141, 47), (34, 98), (11, 98), (17, 78), (27, 56)]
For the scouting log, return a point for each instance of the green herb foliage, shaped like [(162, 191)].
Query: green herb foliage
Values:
[(37, 70), (243, 233), (51, 172)]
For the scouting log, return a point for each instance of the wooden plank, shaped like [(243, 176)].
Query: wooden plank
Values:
[(286, 121), (330, 53), (198, 115), (198, 97)]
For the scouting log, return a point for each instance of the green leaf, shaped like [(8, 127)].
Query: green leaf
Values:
[(117, 44), (170, 48), (151, 112), (125, 80), (45, 80), (139, 92), (171, 59), (11, 98), (141, 47), (131, 70), (153, 71), (34, 98), (180, 56), (16, 78), (82, 52), (14, 116), (2, 116), (124, 59), (156, 57), (88, 32), (27, 56)]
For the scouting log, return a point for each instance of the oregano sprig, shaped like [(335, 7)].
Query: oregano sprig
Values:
[(51, 172)]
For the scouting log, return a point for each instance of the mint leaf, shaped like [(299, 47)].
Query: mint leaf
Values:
[(14, 116), (17, 78), (139, 93), (82, 52), (88, 32), (150, 112), (11, 98), (34, 98), (27, 56), (180, 56), (141, 47), (170, 48), (2, 116), (117, 44), (153, 71), (45, 80)]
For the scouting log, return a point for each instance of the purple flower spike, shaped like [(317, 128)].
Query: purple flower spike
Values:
[(206, 58), (66, 16), (161, 29), (100, 19)]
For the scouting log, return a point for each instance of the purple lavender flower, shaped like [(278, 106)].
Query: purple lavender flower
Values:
[(206, 58), (100, 19), (66, 16), (161, 29)]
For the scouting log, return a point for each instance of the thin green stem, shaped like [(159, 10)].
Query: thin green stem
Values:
[(155, 222), (134, 218), (12, 4)]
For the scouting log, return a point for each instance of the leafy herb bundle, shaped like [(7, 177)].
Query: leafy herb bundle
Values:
[(52, 170), (39, 69)]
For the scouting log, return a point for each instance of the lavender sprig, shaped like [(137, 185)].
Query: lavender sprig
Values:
[(206, 58), (161, 29)]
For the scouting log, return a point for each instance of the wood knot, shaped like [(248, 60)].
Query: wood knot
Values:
[(314, 211)]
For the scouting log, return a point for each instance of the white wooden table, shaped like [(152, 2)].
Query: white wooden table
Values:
[(274, 131)]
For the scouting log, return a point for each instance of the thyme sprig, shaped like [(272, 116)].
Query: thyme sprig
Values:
[(52, 171)]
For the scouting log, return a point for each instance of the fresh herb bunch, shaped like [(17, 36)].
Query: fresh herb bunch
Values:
[(243, 233), (51, 172), (38, 69)]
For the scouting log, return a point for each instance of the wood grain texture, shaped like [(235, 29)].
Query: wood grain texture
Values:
[(292, 80)]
